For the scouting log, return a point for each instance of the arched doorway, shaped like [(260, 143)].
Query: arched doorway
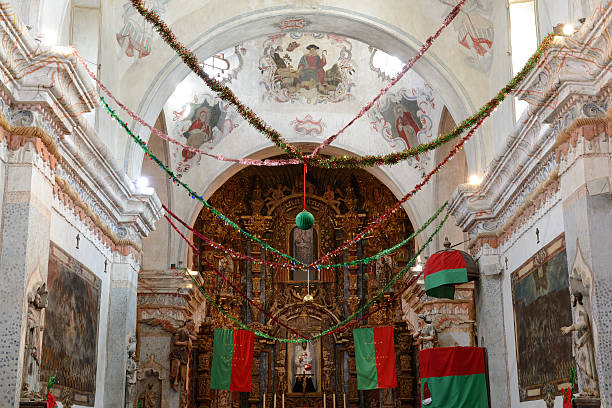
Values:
[(266, 201)]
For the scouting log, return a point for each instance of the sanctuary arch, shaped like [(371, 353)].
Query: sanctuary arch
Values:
[(267, 200)]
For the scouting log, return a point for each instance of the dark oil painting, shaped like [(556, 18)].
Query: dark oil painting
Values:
[(71, 327), (541, 299)]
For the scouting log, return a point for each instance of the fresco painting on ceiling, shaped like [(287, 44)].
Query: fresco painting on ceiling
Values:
[(474, 32), (310, 68), (541, 301), (202, 122), (136, 35), (71, 327), (404, 119), (308, 126)]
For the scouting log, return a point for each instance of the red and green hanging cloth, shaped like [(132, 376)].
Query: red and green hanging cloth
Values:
[(50, 397), (453, 377), (375, 358), (232, 363), (442, 271)]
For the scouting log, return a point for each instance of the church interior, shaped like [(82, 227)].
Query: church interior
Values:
[(306, 203)]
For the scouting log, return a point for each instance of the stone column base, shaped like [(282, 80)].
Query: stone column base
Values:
[(587, 402)]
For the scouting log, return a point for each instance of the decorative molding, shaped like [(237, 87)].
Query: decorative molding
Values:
[(58, 92), (102, 230), (568, 93)]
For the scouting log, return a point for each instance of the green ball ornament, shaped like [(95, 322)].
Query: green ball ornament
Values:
[(304, 220)]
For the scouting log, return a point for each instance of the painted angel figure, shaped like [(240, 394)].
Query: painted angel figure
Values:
[(136, 34)]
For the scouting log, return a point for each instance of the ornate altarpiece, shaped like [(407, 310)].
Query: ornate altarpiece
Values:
[(266, 200)]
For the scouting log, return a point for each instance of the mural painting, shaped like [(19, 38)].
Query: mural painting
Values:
[(136, 35), (474, 32), (201, 123), (71, 327), (404, 119), (541, 300), (310, 68), (308, 126)]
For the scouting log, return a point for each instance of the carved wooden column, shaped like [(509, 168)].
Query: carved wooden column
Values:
[(406, 375), (204, 396)]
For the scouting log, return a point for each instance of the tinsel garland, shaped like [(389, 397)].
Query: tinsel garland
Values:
[(226, 94), (373, 225), (484, 112), (344, 324), (228, 281), (315, 264), (346, 244), (347, 161), (193, 194)]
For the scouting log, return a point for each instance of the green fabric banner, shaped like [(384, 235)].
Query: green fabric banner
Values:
[(365, 359), (221, 372), (459, 391)]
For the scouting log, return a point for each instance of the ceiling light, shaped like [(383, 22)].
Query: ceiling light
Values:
[(142, 182), (475, 180), (568, 29)]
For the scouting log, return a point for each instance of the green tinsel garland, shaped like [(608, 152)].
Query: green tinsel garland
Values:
[(231, 223), (226, 94), (344, 322)]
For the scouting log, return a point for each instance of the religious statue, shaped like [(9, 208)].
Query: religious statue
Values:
[(131, 369), (426, 337), (303, 369), (31, 367), (149, 398), (180, 352), (583, 347)]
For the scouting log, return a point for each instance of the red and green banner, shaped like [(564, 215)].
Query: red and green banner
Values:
[(442, 271), (453, 377), (232, 363), (375, 358)]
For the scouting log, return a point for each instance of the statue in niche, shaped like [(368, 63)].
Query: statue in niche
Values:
[(384, 271), (304, 248), (131, 369), (583, 347), (31, 368), (426, 337), (149, 398), (180, 352), (303, 359)]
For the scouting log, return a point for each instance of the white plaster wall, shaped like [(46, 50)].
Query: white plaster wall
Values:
[(64, 235), (550, 226)]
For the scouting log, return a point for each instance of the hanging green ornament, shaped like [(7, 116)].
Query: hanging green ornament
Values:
[(304, 220)]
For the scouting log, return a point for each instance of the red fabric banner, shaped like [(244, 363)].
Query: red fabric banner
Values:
[(443, 261), (242, 361), (384, 346), (451, 361)]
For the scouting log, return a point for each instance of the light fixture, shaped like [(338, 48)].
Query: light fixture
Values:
[(568, 29), (475, 180), (142, 182), (192, 272)]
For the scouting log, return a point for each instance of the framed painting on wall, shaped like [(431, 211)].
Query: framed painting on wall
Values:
[(541, 303), (70, 339)]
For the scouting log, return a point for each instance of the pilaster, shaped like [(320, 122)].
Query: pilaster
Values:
[(26, 218)]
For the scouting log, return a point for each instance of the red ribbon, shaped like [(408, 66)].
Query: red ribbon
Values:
[(230, 283)]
